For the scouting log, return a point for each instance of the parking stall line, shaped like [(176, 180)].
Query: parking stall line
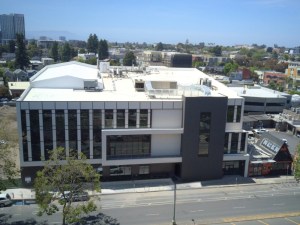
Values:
[(292, 221), (262, 222)]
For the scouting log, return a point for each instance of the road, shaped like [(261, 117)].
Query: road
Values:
[(204, 206)]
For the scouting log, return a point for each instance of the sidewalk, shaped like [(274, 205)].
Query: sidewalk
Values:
[(139, 186)]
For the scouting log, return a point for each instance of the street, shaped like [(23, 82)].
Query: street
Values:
[(204, 206)]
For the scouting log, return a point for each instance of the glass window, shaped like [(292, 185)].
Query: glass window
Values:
[(238, 114), (85, 132), (35, 135), (48, 134), (97, 128), (132, 118), (60, 128), (72, 123), (243, 142), (128, 146), (109, 118), (143, 118), (234, 143), (226, 143), (144, 170), (230, 113), (120, 118), (24, 135), (204, 133), (120, 170)]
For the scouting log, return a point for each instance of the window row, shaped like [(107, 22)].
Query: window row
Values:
[(234, 143), (234, 113)]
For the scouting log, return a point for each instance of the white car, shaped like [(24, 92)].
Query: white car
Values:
[(5, 200)]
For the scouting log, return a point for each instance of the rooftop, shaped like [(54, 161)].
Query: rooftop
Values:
[(65, 82)]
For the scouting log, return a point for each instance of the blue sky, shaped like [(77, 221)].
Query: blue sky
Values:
[(226, 22)]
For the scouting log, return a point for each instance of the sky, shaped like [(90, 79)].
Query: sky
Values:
[(223, 22)]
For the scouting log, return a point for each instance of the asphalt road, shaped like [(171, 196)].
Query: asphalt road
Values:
[(227, 205)]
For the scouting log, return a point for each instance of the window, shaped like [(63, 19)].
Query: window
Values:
[(35, 135), (143, 118), (72, 121), (48, 134), (60, 128), (230, 113), (204, 133), (243, 142), (85, 132), (128, 146), (97, 140), (238, 113), (144, 170), (24, 135), (121, 118), (132, 118), (234, 142), (119, 170), (226, 143), (109, 117)]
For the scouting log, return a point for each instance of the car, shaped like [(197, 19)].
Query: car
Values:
[(284, 140), (5, 200), (76, 196)]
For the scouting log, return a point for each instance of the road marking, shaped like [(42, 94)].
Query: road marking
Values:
[(153, 214), (200, 210), (262, 222), (292, 221), (278, 204), (239, 207)]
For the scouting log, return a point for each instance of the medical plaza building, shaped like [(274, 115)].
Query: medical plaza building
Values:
[(133, 123)]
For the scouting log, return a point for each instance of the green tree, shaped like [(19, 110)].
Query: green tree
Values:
[(217, 50), (159, 46), (103, 50), (272, 85), (92, 43), (230, 67), (129, 59), (296, 164), (92, 61), (22, 58), (66, 52), (8, 142), (54, 51), (67, 179), (12, 46), (34, 50)]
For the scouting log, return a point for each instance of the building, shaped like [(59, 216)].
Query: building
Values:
[(273, 76), (17, 88), (269, 156), (153, 123), (10, 25), (263, 100)]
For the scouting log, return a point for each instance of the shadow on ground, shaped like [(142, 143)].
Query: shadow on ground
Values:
[(99, 219), (5, 218)]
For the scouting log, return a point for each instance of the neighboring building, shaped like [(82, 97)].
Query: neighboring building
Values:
[(215, 61), (263, 100), (276, 77), (10, 25), (20, 75), (175, 59), (152, 57), (47, 61), (17, 88), (154, 123), (86, 56), (269, 156)]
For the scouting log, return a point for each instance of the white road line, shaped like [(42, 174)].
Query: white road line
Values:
[(194, 211), (152, 214), (279, 204), (239, 207)]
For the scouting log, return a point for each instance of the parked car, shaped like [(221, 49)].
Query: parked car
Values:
[(77, 196), (5, 200)]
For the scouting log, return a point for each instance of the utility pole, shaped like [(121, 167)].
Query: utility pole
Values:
[(174, 209)]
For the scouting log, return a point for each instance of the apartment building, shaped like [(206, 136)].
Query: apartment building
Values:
[(153, 123)]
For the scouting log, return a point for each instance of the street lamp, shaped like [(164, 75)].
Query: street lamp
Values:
[(193, 221)]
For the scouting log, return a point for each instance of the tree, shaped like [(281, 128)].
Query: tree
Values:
[(159, 46), (67, 178), (22, 58), (66, 52), (296, 164), (34, 50), (92, 43), (8, 138), (103, 50), (129, 59), (54, 51), (12, 46), (217, 50), (230, 67)]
